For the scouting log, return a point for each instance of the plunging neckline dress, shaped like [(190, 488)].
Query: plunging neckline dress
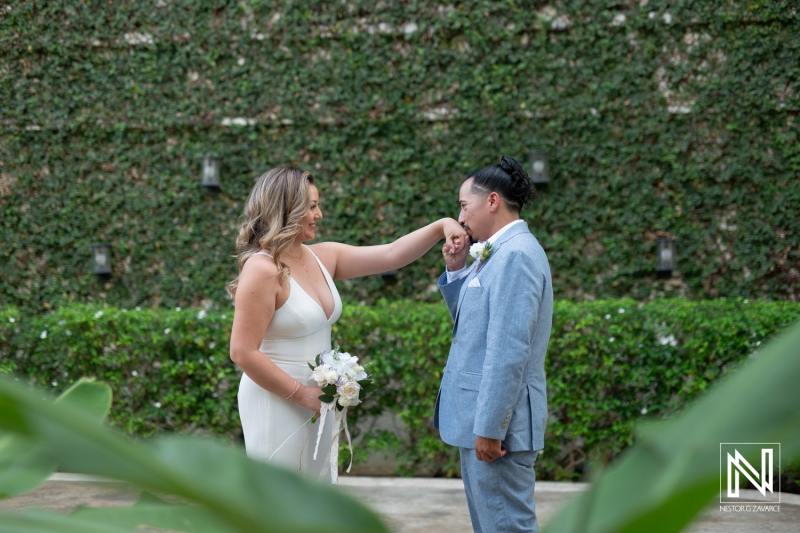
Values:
[(275, 429)]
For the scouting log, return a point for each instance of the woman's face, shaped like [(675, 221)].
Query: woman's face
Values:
[(308, 230)]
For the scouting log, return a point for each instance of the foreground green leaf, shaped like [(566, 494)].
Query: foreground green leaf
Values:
[(36, 521), (661, 483), (241, 494), (24, 463), (155, 512)]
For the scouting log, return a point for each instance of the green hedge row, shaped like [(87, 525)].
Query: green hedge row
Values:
[(610, 363)]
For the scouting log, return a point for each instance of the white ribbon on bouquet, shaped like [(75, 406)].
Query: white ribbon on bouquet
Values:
[(339, 424)]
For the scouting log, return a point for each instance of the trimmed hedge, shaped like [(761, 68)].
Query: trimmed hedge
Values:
[(610, 363)]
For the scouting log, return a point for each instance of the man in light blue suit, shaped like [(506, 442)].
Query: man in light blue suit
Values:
[(492, 403)]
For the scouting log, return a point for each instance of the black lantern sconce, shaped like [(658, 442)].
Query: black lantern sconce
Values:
[(209, 179), (540, 172), (389, 277), (101, 261), (667, 259)]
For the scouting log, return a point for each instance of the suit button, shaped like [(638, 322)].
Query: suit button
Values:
[(505, 424)]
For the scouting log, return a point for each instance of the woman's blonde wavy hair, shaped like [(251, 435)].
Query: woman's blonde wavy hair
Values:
[(272, 216)]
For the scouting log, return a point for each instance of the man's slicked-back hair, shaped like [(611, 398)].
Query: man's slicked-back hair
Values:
[(508, 179)]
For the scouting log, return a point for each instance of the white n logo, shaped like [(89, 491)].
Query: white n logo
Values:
[(740, 464)]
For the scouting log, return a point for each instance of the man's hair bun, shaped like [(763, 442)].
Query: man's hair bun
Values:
[(521, 191)]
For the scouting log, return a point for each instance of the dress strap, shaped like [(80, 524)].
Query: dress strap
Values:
[(264, 253)]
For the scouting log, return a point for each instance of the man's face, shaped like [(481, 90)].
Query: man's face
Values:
[(474, 212)]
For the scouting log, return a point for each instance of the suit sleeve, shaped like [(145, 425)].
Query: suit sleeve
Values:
[(514, 306), (450, 292)]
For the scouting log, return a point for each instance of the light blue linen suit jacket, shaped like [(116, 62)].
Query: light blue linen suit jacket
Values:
[(494, 381)]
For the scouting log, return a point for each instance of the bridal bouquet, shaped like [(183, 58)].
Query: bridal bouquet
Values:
[(344, 384)]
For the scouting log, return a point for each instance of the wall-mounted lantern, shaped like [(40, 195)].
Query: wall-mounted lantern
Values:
[(209, 179), (540, 173), (101, 260), (390, 276), (667, 256)]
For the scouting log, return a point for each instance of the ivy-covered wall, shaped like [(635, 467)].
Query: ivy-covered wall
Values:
[(658, 118)]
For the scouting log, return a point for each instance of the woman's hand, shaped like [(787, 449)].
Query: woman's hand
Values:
[(454, 260), (455, 235), (308, 397), (456, 247)]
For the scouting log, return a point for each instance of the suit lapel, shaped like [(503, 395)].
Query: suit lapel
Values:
[(469, 277), (516, 229)]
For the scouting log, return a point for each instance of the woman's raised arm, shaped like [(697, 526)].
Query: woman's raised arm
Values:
[(344, 261)]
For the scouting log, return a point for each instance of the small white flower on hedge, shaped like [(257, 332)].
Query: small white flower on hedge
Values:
[(167, 330), (12, 319), (611, 339), (178, 308), (134, 373), (644, 410), (54, 383), (43, 335), (671, 340), (620, 310), (608, 317), (212, 345), (201, 315), (157, 405), (98, 314)]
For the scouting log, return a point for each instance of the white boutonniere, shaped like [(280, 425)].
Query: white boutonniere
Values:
[(480, 252)]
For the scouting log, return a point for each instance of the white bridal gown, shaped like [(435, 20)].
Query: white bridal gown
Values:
[(275, 429)]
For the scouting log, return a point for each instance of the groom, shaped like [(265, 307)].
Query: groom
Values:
[(492, 403)]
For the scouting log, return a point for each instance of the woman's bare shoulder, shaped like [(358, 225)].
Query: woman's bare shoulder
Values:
[(259, 266)]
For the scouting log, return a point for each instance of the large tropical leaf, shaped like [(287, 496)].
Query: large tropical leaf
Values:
[(24, 463), (238, 493), (673, 472)]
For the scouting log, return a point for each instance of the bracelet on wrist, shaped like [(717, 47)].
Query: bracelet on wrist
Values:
[(297, 388)]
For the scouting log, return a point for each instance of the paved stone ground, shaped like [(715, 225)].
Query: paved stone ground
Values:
[(414, 505)]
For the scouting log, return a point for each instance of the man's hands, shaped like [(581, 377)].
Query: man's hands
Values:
[(456, 246), (488, 449)]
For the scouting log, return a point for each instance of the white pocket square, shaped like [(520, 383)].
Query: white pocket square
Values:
[(474, 282)]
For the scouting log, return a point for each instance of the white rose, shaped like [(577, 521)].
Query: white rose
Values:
[(476, 250), (348, 394), (318, 374), (481, 251)]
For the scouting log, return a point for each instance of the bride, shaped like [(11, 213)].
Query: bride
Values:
[(285, 305)]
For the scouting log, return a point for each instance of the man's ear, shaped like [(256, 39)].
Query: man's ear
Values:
[(493, 200)]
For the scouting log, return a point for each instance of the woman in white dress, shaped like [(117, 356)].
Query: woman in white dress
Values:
[(285, 305)]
